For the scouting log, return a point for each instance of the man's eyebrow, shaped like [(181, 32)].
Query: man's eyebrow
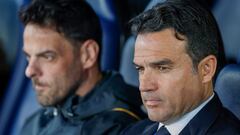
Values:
[(162, 62), (157, 63), (40, 53)]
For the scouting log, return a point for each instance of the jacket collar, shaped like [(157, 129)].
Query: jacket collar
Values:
[(94, 102), (151, 129), (203, 120), (99, 99), (200, 123)]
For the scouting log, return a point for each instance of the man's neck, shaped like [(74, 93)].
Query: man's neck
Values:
[(92, 78)]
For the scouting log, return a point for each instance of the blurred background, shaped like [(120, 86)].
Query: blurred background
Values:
[(17, 99)]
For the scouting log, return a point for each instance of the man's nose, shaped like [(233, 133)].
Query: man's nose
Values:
[(32, 69), (147, 82)]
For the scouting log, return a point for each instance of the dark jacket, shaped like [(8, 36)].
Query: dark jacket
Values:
[(212, 119), (106, 110)]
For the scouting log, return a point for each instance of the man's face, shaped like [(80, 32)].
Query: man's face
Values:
[(53, 65), (169, 85)]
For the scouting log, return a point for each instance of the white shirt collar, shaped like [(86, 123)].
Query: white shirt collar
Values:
[(176, 127)]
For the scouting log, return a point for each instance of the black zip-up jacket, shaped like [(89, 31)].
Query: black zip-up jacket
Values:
[(110, 107)]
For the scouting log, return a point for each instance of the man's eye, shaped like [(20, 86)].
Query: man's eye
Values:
[(49, 57), (139, 69), (162, 68)]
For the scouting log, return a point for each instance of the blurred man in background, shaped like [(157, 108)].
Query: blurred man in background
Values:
[(62, 43)]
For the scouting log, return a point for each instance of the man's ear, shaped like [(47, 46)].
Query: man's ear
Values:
[(207, 68), (89, 52)]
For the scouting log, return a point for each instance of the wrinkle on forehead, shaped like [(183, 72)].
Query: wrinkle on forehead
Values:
[(159, 42), (157, 46), (32, 29), (38, 39)]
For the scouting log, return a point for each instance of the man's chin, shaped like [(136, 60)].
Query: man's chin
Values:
[(153, 116), (45, 103), (49, 103)]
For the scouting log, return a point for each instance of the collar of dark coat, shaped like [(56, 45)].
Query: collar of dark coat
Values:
[(151, 129), (203, 120), (200, 123), (104, 96)]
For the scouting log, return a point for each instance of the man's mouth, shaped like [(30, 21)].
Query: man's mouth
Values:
[(39, 86), (152, 102)]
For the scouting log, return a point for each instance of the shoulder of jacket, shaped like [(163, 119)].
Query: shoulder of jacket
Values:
[(35, 115), (109, 122)]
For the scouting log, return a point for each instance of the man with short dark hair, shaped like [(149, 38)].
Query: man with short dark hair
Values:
[(176, 53), (62, 43)]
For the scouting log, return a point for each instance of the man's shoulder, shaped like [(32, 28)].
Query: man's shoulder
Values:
[(110, 122), (227, 122), (123, 91), (141, 127), (213, 119), (125, 95), (31, 122), (35, 115)]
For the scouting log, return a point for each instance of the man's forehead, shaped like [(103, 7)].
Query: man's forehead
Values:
[(156, 44), (146, 40), (41, 30), (168, 35)]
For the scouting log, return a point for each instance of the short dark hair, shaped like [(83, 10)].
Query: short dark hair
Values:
[(187, 18), (75, 19)]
